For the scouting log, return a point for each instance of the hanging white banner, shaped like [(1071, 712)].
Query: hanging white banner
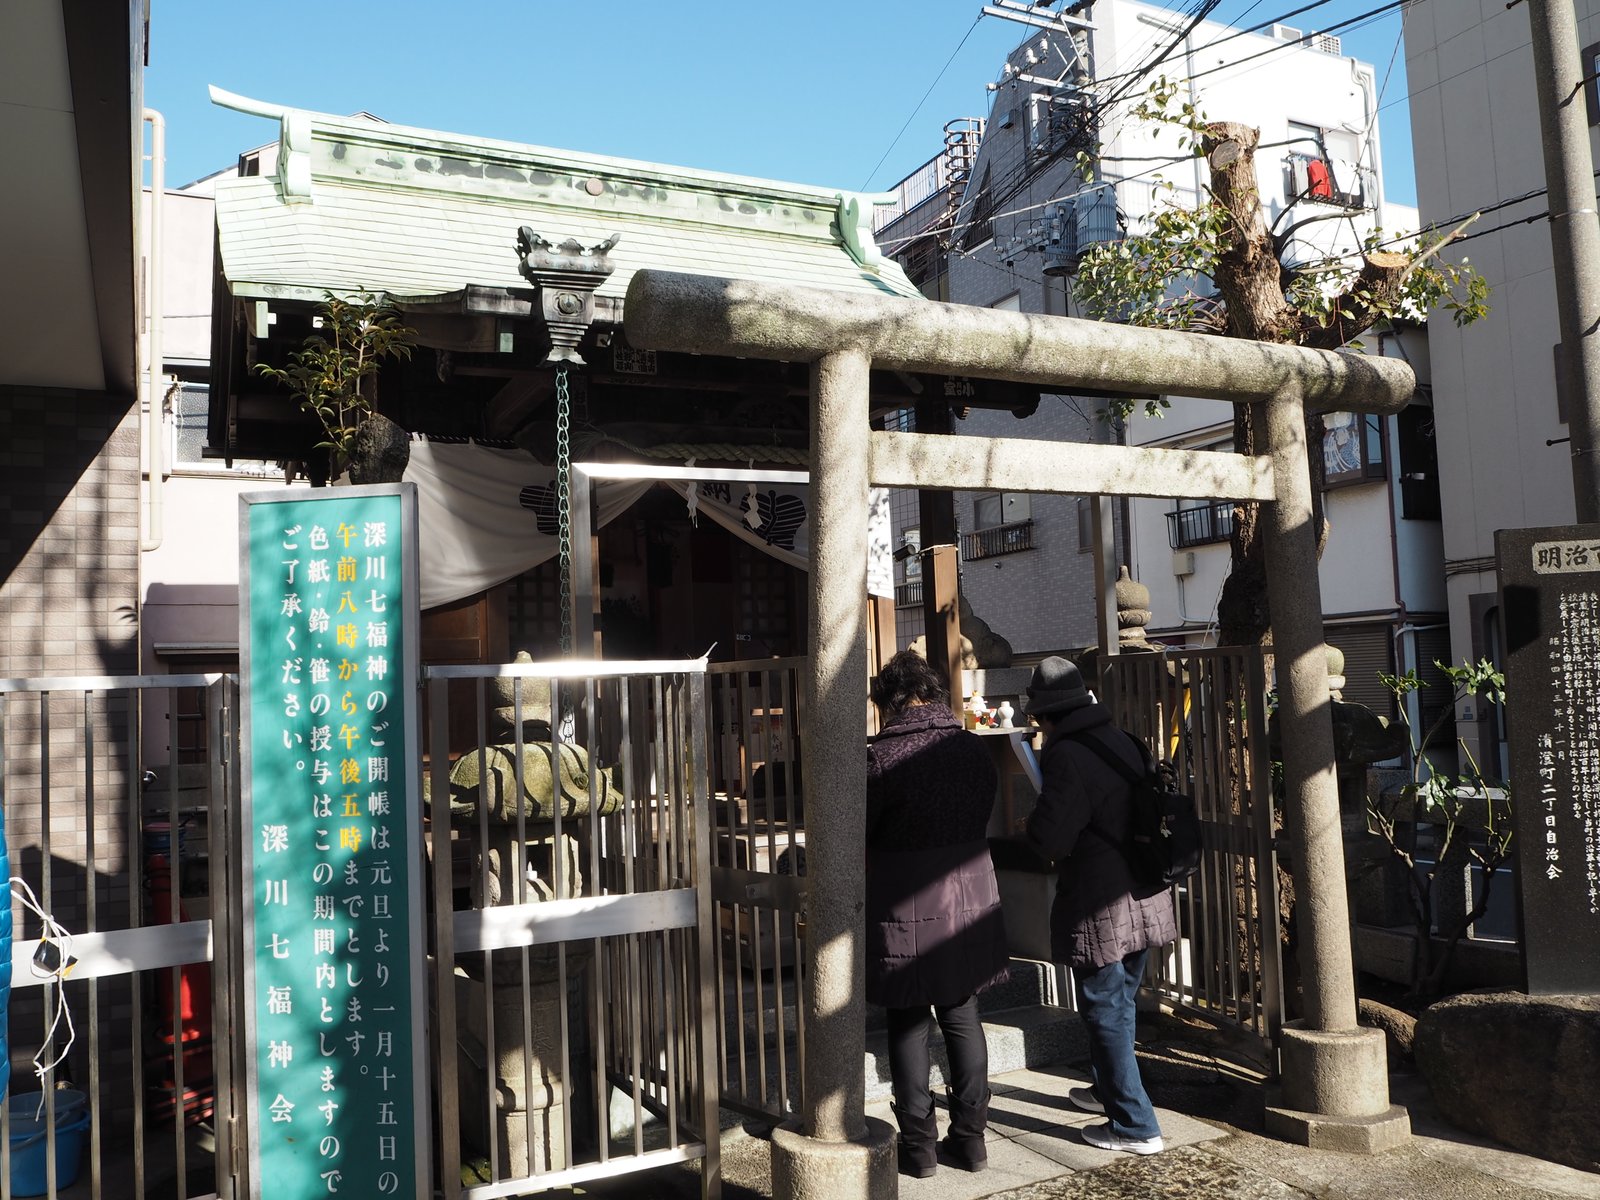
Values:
[(486, 515), (777, 518)]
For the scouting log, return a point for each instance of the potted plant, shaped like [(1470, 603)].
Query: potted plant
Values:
[(332, 375)]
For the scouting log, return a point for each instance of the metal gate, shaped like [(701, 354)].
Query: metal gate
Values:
[(572, 924), (1205, 709), (758, 882), (117, 791)]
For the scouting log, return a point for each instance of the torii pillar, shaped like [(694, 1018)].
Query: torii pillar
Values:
[(1335, 1090)]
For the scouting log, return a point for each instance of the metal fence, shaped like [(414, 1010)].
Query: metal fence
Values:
[(1205, 710), (758, 882), (124, 844), (572, 919)]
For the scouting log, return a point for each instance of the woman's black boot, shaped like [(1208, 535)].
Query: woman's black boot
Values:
[(963, 1145), (917, 1153)]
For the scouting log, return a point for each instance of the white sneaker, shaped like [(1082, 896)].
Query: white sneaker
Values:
[(1084, 1100), (1102, 1137)]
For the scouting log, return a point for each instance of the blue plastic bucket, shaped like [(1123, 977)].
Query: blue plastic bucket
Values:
[(30, 1143)]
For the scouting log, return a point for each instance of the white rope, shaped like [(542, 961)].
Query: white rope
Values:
[(50, 930)]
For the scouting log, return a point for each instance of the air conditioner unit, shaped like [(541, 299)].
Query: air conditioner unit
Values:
[(1183, 563)]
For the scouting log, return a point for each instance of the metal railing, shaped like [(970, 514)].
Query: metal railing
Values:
[(1200, 526), (908, 594), (1001, 539), (127, 850)]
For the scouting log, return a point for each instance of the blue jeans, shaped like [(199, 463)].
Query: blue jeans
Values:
[(1106, 1004)]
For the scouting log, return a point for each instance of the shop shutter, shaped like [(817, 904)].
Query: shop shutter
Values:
[(1368, 650), (1433, 646)]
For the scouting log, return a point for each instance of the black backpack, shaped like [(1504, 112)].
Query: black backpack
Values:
[(1163, 845)]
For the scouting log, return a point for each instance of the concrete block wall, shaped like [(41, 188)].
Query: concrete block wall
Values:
[(69, 567), (69, 543)]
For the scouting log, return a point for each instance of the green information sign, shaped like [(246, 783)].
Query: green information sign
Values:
[(333, 950)]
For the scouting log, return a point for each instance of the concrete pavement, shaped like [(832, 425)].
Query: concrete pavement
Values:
[(1210, 1100)]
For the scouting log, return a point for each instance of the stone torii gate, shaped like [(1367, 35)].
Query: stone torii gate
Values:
[(1335, 1090)]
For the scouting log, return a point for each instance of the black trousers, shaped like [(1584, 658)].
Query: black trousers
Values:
[(909, 1061)]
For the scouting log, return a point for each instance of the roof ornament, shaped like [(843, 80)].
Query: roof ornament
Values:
[(566, 277), (294, 141), (854, 223)]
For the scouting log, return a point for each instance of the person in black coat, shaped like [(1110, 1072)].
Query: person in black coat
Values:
[(935, 936), (1103, 922)]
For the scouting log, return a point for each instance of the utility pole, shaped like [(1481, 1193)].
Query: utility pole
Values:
[(1574, 233)]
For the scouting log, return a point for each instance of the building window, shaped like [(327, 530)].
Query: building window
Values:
[(1419, 464), (1323, 166), (1591, 85), (1199, 523), (980, 225), (1002, 524), (188, 407), (901, 420), (1085, 507), (992, 509), (1352, 448)]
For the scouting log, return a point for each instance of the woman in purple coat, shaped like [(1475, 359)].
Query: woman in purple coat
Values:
[(935, 936)]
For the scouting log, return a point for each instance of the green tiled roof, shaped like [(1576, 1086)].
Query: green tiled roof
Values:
[(357, 204)]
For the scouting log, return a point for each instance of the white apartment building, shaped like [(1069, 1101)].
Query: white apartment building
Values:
[(1503, 453), (1024, 216)]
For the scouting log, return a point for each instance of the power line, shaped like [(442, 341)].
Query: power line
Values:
[(1346, 24), (1239, 33), (1201, 12), (1029, 172), (921, 102)]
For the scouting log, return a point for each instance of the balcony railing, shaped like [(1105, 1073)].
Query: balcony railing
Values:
[(1200, 526), (908, 595), (1002, 539)]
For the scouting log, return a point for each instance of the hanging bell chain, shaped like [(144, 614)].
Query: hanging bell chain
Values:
[(564, 502)]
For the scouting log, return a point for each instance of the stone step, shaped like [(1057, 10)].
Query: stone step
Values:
[(1028, 984), (1027, 1036), (1030, 1036)]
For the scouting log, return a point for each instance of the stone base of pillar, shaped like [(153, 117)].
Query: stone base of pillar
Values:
[(804, 1168), (1335, 1092), (1350, 1135)]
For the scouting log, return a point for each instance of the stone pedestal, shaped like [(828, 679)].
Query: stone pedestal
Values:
[(528, 1125), (808, 1169), (1335, 1092)]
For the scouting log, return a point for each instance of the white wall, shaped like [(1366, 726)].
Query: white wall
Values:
[(190, 583), (1043, 599), (1476, 134)]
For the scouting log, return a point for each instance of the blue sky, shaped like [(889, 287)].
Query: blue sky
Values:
[(819, 92)]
